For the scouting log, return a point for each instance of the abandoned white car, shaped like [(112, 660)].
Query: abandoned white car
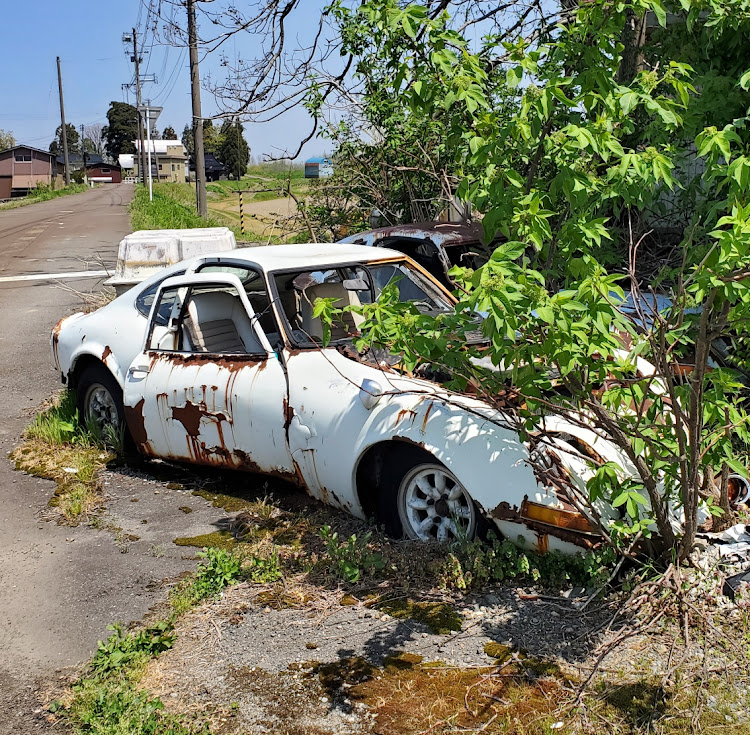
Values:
[(218, 361)]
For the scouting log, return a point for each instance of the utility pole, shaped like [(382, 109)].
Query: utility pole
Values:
[(200, 161), (64, 128), (136, 60), (83, 150)]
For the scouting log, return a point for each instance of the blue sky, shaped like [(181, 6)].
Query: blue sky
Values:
[(87, 36)]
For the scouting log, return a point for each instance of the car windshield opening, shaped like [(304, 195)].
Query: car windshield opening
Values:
[(352, 285)]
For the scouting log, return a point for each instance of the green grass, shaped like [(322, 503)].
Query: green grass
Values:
[(173, 207), (43, 194), (226, 187), (58, 446), (277, 170), (58, 424), (265, 187)]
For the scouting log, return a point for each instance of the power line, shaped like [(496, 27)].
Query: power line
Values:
[(144, 35), (165, 93), (164, 62)]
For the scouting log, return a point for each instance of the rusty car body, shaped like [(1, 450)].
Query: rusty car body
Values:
[(436, 246), (218, 361)]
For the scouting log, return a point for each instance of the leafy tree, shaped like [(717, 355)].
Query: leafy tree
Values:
[(6, 139), (169, 133), (212, 138), (122, 130), (74, 144), (557, 174), (234, 152), (187, 140)]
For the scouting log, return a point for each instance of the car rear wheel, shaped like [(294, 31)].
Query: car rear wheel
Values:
[(434, 506), (99, 398)]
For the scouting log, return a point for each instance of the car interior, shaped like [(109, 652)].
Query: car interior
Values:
[(256, 291), (206, 319), (216, 322), (298, 293)]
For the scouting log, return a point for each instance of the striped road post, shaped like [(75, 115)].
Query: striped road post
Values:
[(242, 214)]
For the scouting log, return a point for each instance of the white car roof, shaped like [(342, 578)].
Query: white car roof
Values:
[(306, 255)]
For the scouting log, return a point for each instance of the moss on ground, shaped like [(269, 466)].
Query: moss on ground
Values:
[(217, 539), (230, 503), (440, 617)]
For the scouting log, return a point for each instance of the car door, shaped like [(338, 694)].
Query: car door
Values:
[(327, 407), (207, 387)]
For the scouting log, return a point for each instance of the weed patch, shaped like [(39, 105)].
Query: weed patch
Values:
[(352, 558), (122, 650), (263, 569), (218, 569), (473, 564), (119, 708), (108, 700), (57, 446)]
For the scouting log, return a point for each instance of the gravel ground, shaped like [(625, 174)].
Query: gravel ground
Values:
[(256, 660), (275, 639)]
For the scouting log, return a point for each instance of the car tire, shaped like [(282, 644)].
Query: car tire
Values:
[(432, 505), (99, 398)]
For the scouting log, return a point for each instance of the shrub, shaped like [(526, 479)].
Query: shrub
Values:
[(351, 558)]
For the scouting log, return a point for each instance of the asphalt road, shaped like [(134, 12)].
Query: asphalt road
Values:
[(42, 574), (59, 586)]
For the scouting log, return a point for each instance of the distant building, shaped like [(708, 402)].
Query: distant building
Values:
[(97, 170), (215, 169), (22, 168), (126, 162), (169, 160), (75, 160), (318, 168), (104, 173)]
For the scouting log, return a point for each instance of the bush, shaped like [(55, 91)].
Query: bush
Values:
[(351, 558), (472, 564)]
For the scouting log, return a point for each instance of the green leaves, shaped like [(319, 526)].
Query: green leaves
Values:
[(352, 558), (604, 482), (323, 309), (628, 101), (632, 500), (122, 649), (514, 76), (660, 12), (712, 142)]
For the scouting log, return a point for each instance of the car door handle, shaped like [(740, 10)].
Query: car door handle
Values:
[(137, 371)]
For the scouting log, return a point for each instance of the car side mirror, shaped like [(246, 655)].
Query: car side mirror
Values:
[(370, 393)]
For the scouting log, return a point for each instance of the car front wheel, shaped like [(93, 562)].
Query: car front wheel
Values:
[(434, 506), (100, 398)]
